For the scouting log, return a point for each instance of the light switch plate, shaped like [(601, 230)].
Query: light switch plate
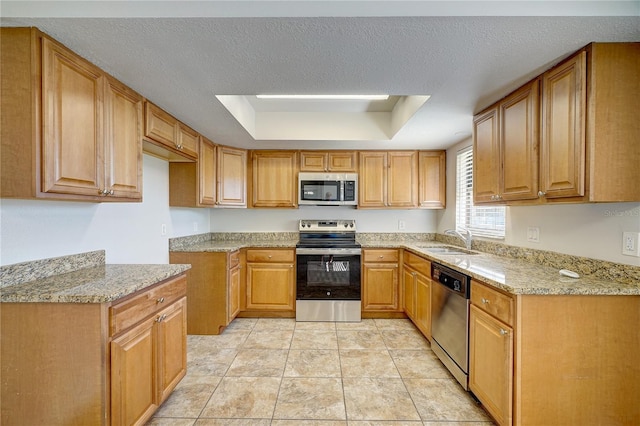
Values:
[(631, 243), (533, 234)]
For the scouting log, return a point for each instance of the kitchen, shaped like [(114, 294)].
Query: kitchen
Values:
[(134, 233)]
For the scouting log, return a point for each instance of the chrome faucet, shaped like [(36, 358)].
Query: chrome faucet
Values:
[(467, 239)]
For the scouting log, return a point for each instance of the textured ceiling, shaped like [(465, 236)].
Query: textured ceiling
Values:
[(464, 62)]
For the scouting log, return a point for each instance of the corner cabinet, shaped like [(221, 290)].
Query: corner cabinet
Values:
[(273, 180), (109, 363), (388, 179), (584, 147), (432, 171), (69, 130), (231, 177), (380, 280), (169, 135)]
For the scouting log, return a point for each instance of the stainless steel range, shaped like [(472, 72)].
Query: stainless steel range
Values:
[(328, 271)]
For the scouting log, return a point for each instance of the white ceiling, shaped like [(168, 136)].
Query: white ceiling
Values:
[(465, 54)]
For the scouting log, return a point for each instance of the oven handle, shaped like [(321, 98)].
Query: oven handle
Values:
[(328, 250)]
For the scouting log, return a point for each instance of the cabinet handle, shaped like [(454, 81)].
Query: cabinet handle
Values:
[(110, 192), (503, 332), (541, 193), (103, 191), (161, 300), (161, 318), (485, 301)]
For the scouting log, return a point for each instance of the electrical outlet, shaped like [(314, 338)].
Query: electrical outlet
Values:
[(195, 226), (631, 243), (163, 229), (533, 234), (401, 225)]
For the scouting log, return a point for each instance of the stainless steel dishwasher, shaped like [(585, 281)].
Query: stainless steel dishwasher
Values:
[(450, 320)]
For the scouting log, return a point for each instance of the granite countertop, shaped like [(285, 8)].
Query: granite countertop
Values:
[(513, 275), (510, 274), (96, 284)]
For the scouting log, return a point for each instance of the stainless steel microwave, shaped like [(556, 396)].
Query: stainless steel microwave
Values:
[(328, 189)]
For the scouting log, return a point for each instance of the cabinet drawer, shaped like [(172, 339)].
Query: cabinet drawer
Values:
[(270, 255), (418, 263), (234, 258), (380, 255), (133, 310), (493, 302)]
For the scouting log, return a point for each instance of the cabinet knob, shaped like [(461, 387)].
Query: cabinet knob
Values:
[(160, 300), (541, 193), (269, 256), (110, 192), (503, 332), (161, 318), (485, 301), (381, 257)]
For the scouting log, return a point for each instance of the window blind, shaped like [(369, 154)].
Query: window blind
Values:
[(484, 221)]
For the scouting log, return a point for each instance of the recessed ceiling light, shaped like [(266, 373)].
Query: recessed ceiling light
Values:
[(327, 97)]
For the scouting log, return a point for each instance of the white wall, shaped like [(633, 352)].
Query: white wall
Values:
[(589, 230), (129, 232), (286, 220)]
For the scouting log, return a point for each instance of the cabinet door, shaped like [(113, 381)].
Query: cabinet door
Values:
[(123, 141), (380, 287), (402, 179), (432, 179), (232, 177), (270, 286), (160, 126), (372, 180), (409, 289), (73, 120), (423, 305), (233, 306), (486, 157), (491, 364), (564, 95), (342, 161), (188, 140), (207, 173), (519, 124), (312, 161), (133, 375), (274, 179), (172, 347)]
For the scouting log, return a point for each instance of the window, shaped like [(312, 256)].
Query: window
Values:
[(480, 220)]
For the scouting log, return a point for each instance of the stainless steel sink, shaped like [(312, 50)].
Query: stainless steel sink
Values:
[(451, 250)]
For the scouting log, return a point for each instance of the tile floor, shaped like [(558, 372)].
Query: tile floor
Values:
[(279, 372)]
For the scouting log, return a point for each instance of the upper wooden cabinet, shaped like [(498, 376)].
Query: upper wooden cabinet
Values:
[(231, 177), (506, 148), (432, 179), (588, 136), (172, 138), (388, 179), (331, 161), (274, 179), (69, 130)]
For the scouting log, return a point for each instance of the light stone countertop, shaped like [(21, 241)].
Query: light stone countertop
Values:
[(514, 276), (97, 284)]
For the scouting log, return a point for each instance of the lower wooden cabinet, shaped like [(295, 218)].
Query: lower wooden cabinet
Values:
[(270, 280), (93, 363), (213, 294), (491, 364), (380, 280), (417, 291)]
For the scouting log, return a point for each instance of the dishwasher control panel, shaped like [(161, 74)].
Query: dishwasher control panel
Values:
[(451, 279)]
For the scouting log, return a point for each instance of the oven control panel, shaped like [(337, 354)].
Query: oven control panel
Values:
[(341, 225)]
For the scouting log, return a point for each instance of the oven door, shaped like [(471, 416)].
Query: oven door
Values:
[(328, 274)]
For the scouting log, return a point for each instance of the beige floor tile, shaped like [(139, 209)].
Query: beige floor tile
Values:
[(378, 399), (313, 325), (314, 339), (275, 324), (394, 324), (170, 421), (243, 397), (444, 399), (463, 423), (229, 339), (313, 363), (233, 422), (364, 324), (367, 363), (310, 398), (361, 339), (203, 361), (189, 397), (242, 324), (384, 423), (258, 363), (404, 339), (419, 364), (268, 339), (298, 422)]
